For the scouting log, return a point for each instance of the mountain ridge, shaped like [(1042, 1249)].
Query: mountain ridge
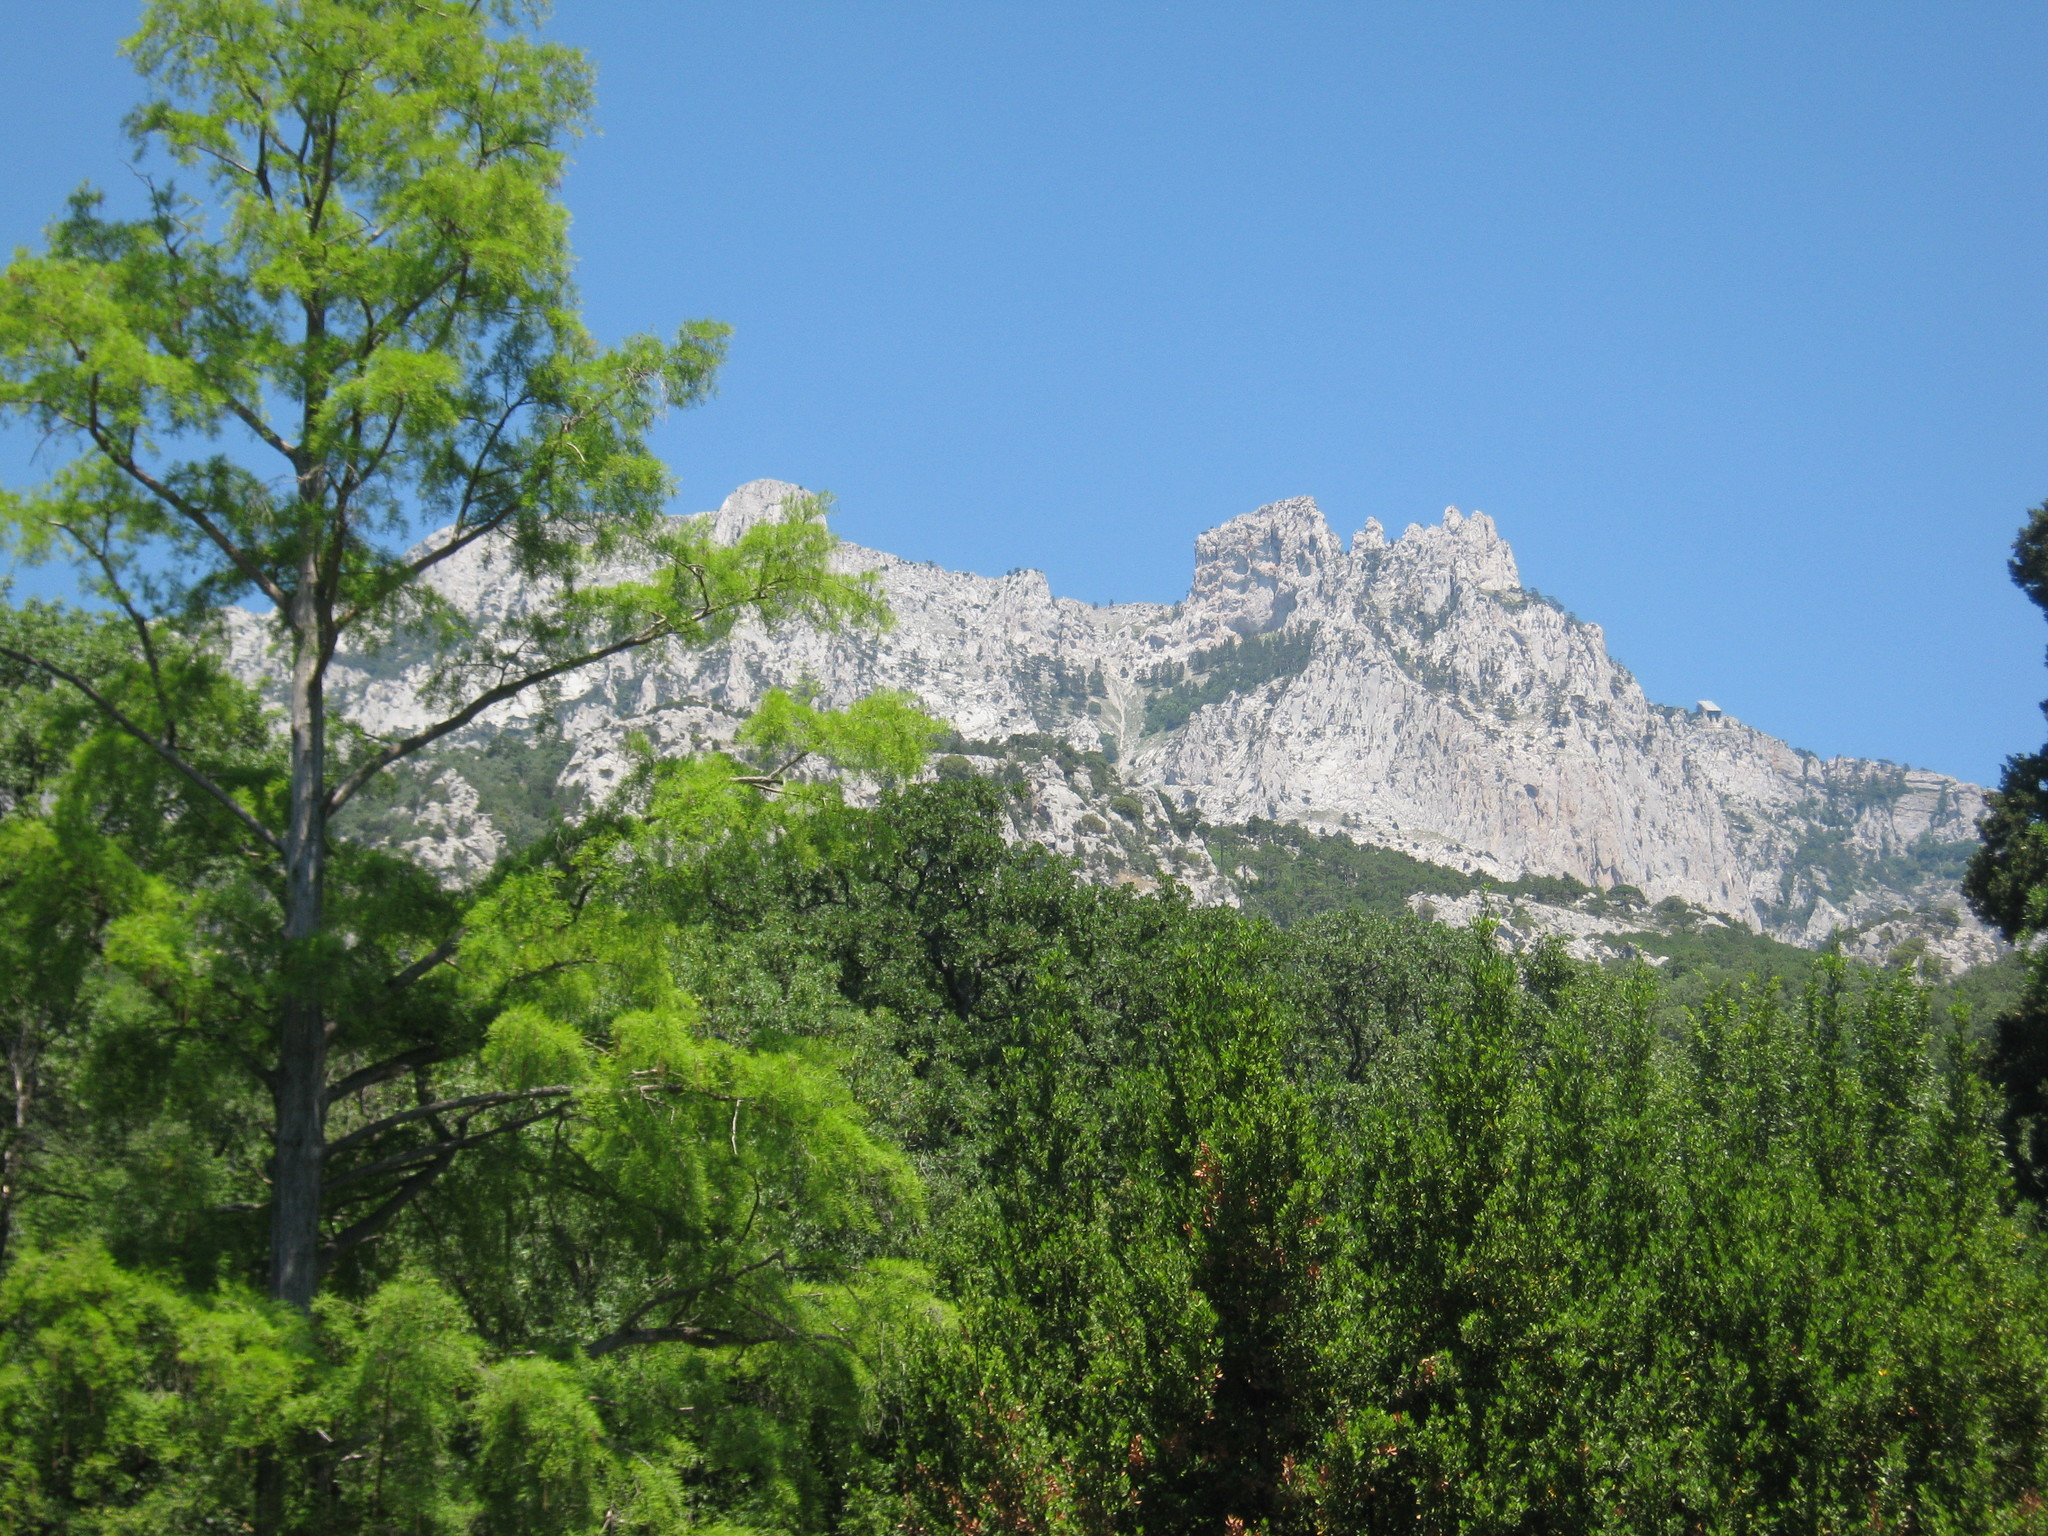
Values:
[(1408, 692)]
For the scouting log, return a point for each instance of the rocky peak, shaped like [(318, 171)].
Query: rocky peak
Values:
[(1422, 567), (758, 501), (1250, 571)]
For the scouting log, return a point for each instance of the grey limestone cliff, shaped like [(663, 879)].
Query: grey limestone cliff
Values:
[(1409, 692)]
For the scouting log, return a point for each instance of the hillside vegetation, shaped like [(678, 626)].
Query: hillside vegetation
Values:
[(1287, 873)]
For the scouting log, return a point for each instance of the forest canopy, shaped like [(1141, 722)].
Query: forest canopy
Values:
[(870, 1172)]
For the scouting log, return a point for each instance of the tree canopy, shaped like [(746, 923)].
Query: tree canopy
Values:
[(2007, 886), (361, 325)]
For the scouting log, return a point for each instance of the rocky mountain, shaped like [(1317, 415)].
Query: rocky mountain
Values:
[(1409, 693)]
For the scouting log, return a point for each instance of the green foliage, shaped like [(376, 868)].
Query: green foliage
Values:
[(572, 1100), (2006, 880), (1211, 675), (1987, 992), (2007, 886), (883, 736), (128, 1406), (1702, 958), (407, 1364), (353, 321), (1287, 872), (848, 1169), (1364, 1226), (736, 1156), (1628, 1275)]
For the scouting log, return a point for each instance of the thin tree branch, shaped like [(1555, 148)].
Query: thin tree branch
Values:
[(358, 476), (249, 418), (141, 627), (550, 968), (645, 1088), (463, 539), (114, 713), (660, 629), (383, 1071), (373, 1224), (439, 955), (440, 1107), (775, 778), (476, 477), (248, 415), (125, 462), (437, 1149), (346, 789), (466, 534), (683, 1293), (478, 472), (263, 160), (227, 160), (681, 1333)]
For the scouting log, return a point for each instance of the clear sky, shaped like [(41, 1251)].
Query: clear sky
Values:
[(1731, 314)]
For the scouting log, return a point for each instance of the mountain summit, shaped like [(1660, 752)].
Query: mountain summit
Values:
[(1410, 693)]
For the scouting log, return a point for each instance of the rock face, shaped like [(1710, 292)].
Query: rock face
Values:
[(1411, 693)]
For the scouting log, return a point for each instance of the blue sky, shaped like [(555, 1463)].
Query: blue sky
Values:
[(1732, 315)]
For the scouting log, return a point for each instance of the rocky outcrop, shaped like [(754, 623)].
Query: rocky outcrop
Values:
[(1410, 692)]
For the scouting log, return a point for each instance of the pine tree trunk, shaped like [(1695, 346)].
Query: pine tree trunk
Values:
[(300, 1084)]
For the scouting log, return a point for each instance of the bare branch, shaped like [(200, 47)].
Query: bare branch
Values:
[(346, 789), (162, 749), (478, 473), (475, 478), (472, 1101), (660, 629), (439, 955), (373, 1224), (682, 1333), (456, 545), (136, 620), (652, 1080), (263, 162), (684, 1293), (437, 1149), (466, 533), (125, 462), (383, 1071), (776, 778), (360, 475), (701, 1287), (550, 969), (255, 423), (227, 160)]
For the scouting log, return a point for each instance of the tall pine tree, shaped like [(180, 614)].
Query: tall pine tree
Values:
[(363, 324)]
